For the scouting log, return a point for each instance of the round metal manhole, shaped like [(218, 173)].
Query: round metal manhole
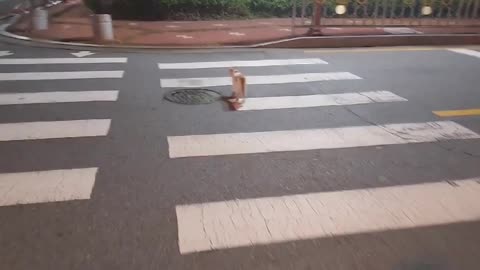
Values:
[(192, 96)]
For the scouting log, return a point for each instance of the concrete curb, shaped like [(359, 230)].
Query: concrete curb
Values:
[(376, 41), (291, 43)]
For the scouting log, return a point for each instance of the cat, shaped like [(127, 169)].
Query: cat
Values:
[(239, 88)]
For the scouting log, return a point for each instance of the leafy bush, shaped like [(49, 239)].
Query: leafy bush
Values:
[(99, 6), (192, 9), (212, 9)]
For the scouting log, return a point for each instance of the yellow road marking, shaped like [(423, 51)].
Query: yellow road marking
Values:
[(468, 112)]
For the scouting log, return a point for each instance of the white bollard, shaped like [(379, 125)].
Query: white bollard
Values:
[(40, 19), (102, 27)]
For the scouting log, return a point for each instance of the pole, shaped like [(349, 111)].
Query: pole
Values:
[(317, 17), (318, 14)]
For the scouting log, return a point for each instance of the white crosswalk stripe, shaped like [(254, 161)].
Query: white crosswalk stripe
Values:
[(287, 102), (466, 52), (64, 75), (314, 139), (57, 97), (46, 61), (229, 224), (262, 221), (60, 184), (252, 63), (46, 186), (54, 129), (252, 80)]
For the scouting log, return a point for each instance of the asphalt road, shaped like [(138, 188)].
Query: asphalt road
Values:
[(131, 218), (7, 5)]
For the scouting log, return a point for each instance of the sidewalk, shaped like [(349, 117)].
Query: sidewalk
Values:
[(71, 22)]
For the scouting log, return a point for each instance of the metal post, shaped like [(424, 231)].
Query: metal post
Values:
[(103, 27), (40, 19)]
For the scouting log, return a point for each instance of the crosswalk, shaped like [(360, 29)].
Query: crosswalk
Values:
[(229, 224), (466, 52), (260, 221), (57, 97), (47, 61), (61, 75), (315, 139), (59, 184), (250, 63), (307, 101), (252, 80), (47, 186)]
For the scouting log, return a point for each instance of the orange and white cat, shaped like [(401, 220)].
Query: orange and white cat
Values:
[(239, 88)]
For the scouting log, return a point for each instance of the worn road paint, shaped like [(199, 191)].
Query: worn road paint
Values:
[(238, 223), (400, 30), (286, 102), (66, 75), (54, 129), (57, 97), (85, 53), (253, 63), (45, 61), (46, 186), (5, 53), (312, 139), (251, 80), (452, 113), (360, 50), (466, 52)]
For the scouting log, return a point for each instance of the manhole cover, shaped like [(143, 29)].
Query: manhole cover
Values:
[(192, 96)]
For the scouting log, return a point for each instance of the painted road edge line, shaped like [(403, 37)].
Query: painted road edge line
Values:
[(46, 61), (306, 101), (54, 129), (466, 52), (248, 222), (46, 186), (63, 75), (453, 113), (57, 97), (315, 139), (267, 79), (252, 63)]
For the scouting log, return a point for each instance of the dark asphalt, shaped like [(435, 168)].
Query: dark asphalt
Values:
[(130, 222), (7, 5)]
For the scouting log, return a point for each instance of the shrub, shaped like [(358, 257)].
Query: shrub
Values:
[(191, 9), (211, 9), (99, 6)]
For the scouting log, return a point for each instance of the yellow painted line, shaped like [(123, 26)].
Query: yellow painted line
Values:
[(452, 113), (404, 49)]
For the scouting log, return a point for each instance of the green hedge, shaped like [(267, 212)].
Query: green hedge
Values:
[(213, 9), (193, 9)]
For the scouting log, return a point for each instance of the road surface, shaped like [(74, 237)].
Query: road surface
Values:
[(6, 6), (340, 159)]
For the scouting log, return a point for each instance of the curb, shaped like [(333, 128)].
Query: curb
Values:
[(376, 41), (291, 43)]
